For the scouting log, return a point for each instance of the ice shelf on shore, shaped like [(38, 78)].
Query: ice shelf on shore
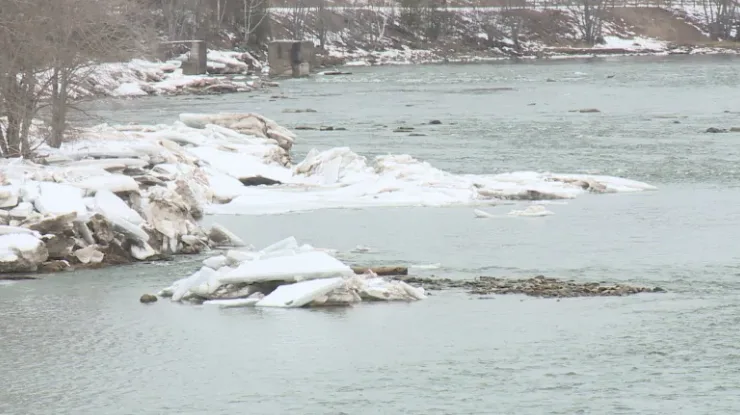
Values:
[(287, 275), (137, 191), (241, 164), (140, 77)]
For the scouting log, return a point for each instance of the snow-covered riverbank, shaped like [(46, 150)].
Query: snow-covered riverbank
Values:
[(227, 72), (135, 192)]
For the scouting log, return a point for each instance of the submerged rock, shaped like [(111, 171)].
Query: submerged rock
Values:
[(259, 181), (148, 298), (382, 271), (538, 286)]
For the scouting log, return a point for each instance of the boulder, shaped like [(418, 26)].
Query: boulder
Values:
[(60, 246), (116, 253), (259, 181), (148, 299), (54, 266), (101, 229)]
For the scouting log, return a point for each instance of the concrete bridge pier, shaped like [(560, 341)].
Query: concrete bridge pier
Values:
[(197, 64), (293, 58)]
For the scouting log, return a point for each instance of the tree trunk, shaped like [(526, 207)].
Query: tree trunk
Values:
[(58, 107)]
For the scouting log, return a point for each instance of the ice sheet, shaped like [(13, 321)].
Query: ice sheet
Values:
[(300, 293), (11, 245), (211, 158), (302, 266), (107, 203), (59, 199)]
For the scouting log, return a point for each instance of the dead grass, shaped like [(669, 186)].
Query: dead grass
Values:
[(657, 23)]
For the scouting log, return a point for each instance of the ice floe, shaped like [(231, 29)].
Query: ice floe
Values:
[(287, 275), (138, 191)]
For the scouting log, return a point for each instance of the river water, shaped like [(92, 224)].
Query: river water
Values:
[(80, 343)]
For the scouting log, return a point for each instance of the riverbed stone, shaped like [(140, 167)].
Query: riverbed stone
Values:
[(148, 299), (538, 286), (382, 270)]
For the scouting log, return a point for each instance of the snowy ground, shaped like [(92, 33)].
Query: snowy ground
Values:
[(228, 72)]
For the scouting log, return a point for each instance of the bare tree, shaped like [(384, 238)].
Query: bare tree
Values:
[(255, 13), (181, 19), (589, 19), (47, 51), (720, 16), (322, 23), (378, 21), (297, 14)]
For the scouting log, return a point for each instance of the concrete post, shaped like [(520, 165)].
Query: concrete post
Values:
[(198, 62)]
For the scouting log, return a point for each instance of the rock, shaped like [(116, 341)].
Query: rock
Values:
[(735, 129), (148, 299), (335, 73), (538, 286), (435, 122), (550, 80), (116, 253), (52, 224), (259, 181), (586, 110), (403, 130), (102, 229), (417, 135), (89, 254), (223, 237), (382, 271), (54, 266), (303, 127), (714, 130), (21, 253), (298, 111), (326, 128), (60, 246)]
